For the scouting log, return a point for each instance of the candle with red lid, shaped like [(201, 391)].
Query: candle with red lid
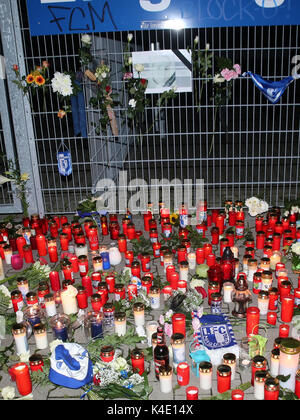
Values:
[(138, 361), (178, 323), (252, 323)]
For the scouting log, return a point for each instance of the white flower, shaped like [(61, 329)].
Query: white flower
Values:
[(207, 47), (286, 213), (62, 84), (129, 37), (86, 39), (24, 357), (256, 206), (295, 209), (139, 68), (8, 393), (4, 179), (54, 344), (120, 364), (6, 293), (196, 283), (296, 248), (196, 40), (218, 79), (130, 60), (132, 103)]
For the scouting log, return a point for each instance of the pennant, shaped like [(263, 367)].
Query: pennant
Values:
[(272, 90), (64, 160)]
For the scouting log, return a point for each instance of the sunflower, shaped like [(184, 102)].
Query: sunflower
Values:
[(39, 80), (174, 218), (30, 79)]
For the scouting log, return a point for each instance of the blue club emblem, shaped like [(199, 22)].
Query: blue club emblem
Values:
[(64, 163)]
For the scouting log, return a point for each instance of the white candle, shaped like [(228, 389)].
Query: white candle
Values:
[(192, 260), (120, 324), (227, 290), (81, 249), (183, 271), (289, 362), (274, 259), (259, 389), (7, 254), (151, 328), (205, 375), (165, 379), (2, 276), (274, 365), (40, 336), (19, 333), (115, 256), (263, 302), (235, 251), (154, 295), (139, 314), (69, 301), (229, 359), (50, 305)]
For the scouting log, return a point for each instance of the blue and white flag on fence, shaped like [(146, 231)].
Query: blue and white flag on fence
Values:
[(216, 336), (64, 161), (272, 90)]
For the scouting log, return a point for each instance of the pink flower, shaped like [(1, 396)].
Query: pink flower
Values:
[(127, 76), (237, 68), (168, 329), (229, 74)]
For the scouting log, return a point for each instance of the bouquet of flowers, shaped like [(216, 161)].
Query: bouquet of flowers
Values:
[(256, 206), (295, 257), (166, 322)]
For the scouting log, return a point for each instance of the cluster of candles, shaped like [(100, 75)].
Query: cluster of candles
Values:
[(79, 242)]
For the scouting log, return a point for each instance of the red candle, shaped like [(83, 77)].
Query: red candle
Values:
[(271, 389), (110, 281), (36, 363), (96, 302), (53, 256), (260, 240), (156, 249), (220, 223), (259, 223), (20, 373), (64, 241), (207, 249), (211, 260), (82, 297), (182, 285), (272, 318), (136, 269), (138, 361), (87, 284), (28, 255), (54, 281), (167, 292), (178, 322), (169, 270), (174, 279), (130, 231), (237, 395), (122, 243), (231, 218), (252, 323), (276, 241), (41, 245), (284, 330), (145, 260), (129, 258), (147, 218), (297, 388), (223, 378), (287, 308), (192, 393), (183, 374), (200, 256), (181, 254), (21, 242), (83, 265), (132, 291)]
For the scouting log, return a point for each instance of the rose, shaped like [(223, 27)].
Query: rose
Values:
[(196, 40), (8, 393), (218, 79), (296, 248), (127, 76), (132, 103), (15, 67), (46, 64), (86, 39), (129, 37), (139, 68), (120, 364), (25, 177), (108, 89), (144, 82)]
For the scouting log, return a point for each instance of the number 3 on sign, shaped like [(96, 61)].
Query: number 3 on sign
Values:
[(155, 7)]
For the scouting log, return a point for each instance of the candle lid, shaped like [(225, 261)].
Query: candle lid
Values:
[(229, 358), (252, 262), (96, 297), (205, 367), (259, 361), (184, 264), (18, 329), (30, 296), (154, 290), (22, 280), (119, 287), (267, 274), (137, 354), (290, 346), (49, 297), (138, 307), (39, 328), (177, 338), (107, 350), (224, 370), (273, 291), (35, 359), (272, 384), (263, 294), (165, 371), (275, 353), (261, 376), (120, 316), (108, 307), (15, 294), (286, 284)]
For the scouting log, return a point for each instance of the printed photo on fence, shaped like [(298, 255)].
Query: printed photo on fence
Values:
[(164, 70)]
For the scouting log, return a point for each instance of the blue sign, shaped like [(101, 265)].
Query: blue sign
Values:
[(49, 17)]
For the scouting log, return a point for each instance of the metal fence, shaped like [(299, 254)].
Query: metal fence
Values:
[(256, 145)]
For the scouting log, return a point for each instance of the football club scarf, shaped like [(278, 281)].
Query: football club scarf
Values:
[(272, 90)]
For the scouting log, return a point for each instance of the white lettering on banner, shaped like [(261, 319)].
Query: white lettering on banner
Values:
[(157, 7), (269, 3), (295, 60)]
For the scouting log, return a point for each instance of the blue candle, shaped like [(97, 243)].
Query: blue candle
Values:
[(34, 321), (105, 260), (96, 329), (61, 332)]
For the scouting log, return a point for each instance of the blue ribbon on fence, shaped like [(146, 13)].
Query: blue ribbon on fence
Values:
[(272, 90), (78, 113)]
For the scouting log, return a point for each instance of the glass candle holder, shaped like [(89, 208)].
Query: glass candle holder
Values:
[(230, 360), (154, 295), (237, 395), (138, 361), (289, 361), (23, 286), (50, 305), (93, 325), (34, 315), (259, 385), (60, 324), (19, 333), (40, 336), (109, 317), (7, 254), (274, 362), (178, 347), (151, 328), (205, 375), (165, 379), (227, 292), (120, 323), (139, 314), (263, 302), (259, 363)]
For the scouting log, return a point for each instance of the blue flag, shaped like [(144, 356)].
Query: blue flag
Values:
[(272, 90)]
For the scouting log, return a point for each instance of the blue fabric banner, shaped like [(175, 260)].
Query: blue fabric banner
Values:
[(49, 17)]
